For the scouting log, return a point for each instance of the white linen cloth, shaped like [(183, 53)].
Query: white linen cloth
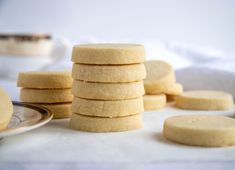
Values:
[(197, 68)]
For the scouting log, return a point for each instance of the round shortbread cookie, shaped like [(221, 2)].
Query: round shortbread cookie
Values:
[(112, 108), (98, 124), (45, 79), (160, 77), (6, 109), (204, 100), (108, 54), (200, 130), (46, 95), (154, 102), (109, 74), (176, 89), (59, 110), (107, 91)]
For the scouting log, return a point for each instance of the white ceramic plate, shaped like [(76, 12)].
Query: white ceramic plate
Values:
[(26, 117)]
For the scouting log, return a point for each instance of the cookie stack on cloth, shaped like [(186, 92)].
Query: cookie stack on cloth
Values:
[(108, 87), (160, 85), (50, 89)]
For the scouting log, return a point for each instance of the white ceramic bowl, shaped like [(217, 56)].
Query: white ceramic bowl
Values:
[(19, 55)]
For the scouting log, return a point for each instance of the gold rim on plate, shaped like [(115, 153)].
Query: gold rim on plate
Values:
[(26, 117)]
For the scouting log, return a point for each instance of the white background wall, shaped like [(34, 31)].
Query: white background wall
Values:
[(201, 22)]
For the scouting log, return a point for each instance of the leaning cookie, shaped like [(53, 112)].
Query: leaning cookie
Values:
[(160, 77)]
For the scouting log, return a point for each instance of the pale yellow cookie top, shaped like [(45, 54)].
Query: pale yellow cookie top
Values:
[(108, 53), (156, 70), (201, 122), (206, 94), (45, 79)]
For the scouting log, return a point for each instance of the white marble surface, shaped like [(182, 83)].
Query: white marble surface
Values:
[(55, 146)]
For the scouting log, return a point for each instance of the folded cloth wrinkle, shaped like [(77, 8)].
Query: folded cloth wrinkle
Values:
[(210, 69)]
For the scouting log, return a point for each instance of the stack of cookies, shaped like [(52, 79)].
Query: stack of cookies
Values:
[(160, 85), (48, 89), (108, 87)]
